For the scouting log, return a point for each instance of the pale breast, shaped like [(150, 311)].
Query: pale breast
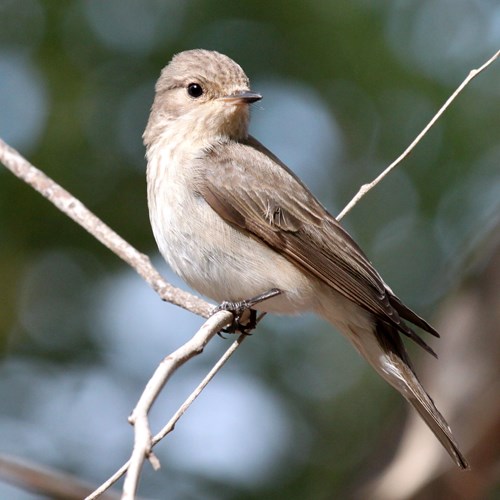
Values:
[(214, 258)]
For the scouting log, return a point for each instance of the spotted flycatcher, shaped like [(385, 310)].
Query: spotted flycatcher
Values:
[(234, 222)]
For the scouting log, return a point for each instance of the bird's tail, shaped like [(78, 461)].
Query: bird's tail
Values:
[(383, 348)]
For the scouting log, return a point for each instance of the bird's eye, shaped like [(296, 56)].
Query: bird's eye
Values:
[(194, 90)]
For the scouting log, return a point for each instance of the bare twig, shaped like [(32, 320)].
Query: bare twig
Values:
[(139, 417), (143, 440), (77, 211), (367, 187), (169, 427), (45, 481)]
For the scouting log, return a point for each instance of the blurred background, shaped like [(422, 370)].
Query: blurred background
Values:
[(295, 414)]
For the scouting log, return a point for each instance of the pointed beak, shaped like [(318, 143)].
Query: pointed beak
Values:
[(244, 97)]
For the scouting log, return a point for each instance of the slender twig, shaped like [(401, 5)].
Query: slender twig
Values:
[(42, 480), (169, 427), (367, 187), (139, 418), (77, 211), (143, 441)]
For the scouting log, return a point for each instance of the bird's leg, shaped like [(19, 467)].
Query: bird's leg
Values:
[(242, 322)]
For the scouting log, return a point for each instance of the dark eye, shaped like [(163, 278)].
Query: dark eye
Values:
[(194, 90)]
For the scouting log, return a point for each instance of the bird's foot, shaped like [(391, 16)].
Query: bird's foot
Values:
[(244, 316)]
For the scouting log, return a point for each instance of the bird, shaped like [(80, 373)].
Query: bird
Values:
[(234, 222)]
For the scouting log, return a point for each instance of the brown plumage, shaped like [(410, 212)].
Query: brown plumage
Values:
[(234, 222)]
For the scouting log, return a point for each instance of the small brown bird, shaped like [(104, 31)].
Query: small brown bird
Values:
[(234, 222)]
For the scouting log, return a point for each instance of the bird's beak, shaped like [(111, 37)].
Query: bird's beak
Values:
[(243, 97)]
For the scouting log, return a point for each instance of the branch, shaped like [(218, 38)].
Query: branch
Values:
[(365, 188), (45, 481), (77, 211), (143, 441), (139, 419)]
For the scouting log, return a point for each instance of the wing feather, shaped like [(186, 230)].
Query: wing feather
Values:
[(239, 182)]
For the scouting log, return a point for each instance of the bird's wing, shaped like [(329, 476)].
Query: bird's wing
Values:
[(241, 183)]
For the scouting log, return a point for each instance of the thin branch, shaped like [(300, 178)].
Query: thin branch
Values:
[(143, 440), (45, 481), (77, 211), (169, 427), (139, 418), (367, 187)]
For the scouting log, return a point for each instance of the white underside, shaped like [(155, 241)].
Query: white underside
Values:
[(222, 263)]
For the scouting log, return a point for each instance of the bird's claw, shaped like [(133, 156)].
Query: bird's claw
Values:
[(241, 322)]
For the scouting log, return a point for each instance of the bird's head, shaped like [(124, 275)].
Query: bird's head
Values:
[(202, 95)]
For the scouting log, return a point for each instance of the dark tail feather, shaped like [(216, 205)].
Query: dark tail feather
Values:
[(406, 313), (418, 340)]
